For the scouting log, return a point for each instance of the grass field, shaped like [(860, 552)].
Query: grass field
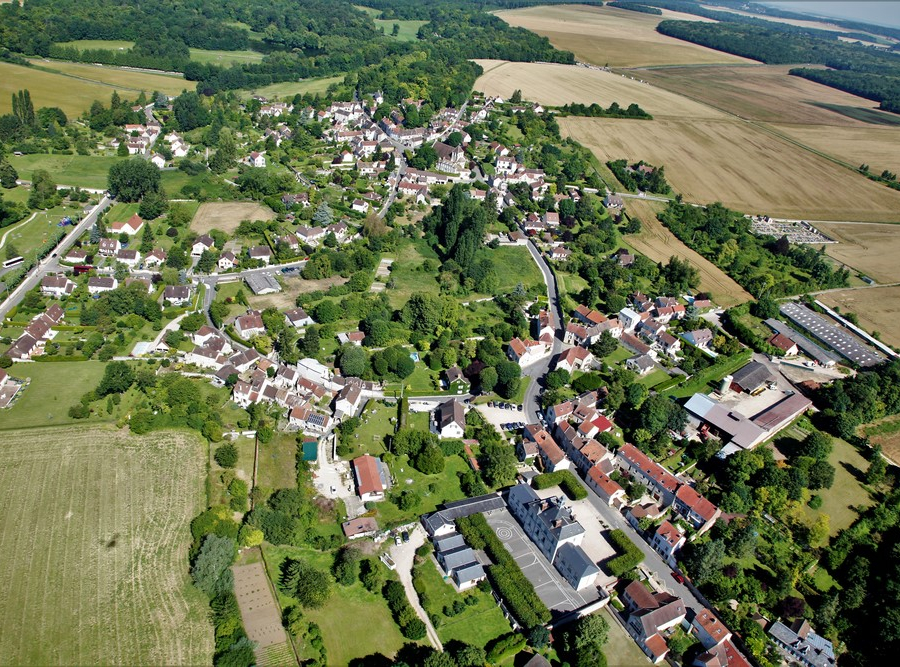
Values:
[(740, 165), (35, 229), (615, 37), (131, 81), (84, 171), (846, 492), (763, 92), (561, 84), (291, 88), (45, 87), (659, 244), (54, 388), (620, 649), (869, 248), (878, 309), (225, 58), (99, 519), (409, 30), (226, 216), (119, 212), (92, 44)]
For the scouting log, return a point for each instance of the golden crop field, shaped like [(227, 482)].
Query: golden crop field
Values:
[(560, 84), (614, 37), (878, 309), (740, 165), (659, 244), (95, 535), (766, 93), (870, 248), (130, 80), (226, 216)]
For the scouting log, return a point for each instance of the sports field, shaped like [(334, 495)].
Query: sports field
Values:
[(560, 84), (659, 244), (615, 37), (95, 534), (226, 216), (872, 249), (878, 309), (740, 165)]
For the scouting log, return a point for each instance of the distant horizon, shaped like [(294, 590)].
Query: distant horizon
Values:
[(884, 13)]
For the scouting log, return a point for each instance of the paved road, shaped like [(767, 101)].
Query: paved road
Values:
[(535, 372), (50, 264), (403, 556)]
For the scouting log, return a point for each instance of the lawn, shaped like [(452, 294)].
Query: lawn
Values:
[(407, 273), (121, 212), (277, 461), (620, 649), (477, 625), (211, 186), (84, 171), (375, 423), (621, 354), (225, 58), (515, 265), (95, 536), (434, 490), (354, 622), (653, 378), (54, 388), (93, 44), (291, 88), (35, 229)]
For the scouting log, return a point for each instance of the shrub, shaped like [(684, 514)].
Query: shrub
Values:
[(565, 480), (226, 456), (630, 557), (505, 645)]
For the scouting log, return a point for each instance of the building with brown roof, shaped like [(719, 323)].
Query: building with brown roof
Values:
[(371, 477), (362, 526)]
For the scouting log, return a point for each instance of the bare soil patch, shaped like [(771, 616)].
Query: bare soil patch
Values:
[(548, 83), (615, 37), (293, 287), (878, 309), (870, 248), (259, 611), (740, 165), (226, 216), (659, 244), (760, 92)]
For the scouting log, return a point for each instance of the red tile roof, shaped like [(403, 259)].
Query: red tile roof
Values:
[(367, 475), (697, 503)]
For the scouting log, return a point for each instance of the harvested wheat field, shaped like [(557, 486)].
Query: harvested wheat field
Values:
[(659, 244), (741, 166), (869, 248), (614, 37), (226, 216), (878, 147), (95, 535), (560, 84), (878, 309), (767, 93)]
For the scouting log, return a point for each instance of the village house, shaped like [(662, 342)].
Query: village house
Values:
[(449, 420), (560, 254), (108, 247), (371, 478), (353, 337), (667, 540), (526, 352), (227, 261), (257, 160), (574, 358), (57, 286), (701, 338), (177, 295), (129, 258), (361, 526), (99, 284), (649, 615), (607, 489), (457, 383), (75, 256), (249, 325), (311, 236), (263, 253), (204, 242), (132, 226), (155, 257), (146, 284), (458, 560), (348, 401), (297, 318)]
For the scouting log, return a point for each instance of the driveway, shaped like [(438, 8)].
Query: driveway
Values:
[(403, 555)]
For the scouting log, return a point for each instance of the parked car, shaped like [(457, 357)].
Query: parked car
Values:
[(397, 540), (405, 535), (678, 577)]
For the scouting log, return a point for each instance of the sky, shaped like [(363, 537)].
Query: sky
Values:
[(883, 12)]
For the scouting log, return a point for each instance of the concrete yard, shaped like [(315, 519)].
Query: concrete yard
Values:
[(556, 593)]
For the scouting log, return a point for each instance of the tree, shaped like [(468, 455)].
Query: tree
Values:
[(346, 565), (240, 654), (704, 559), (817, 445), (207, 261), (509, 375), (557, 379), (117, 378), (153, 205), (250, 536), (820, 475), (226, 455), (132, 179), (498, 464), (353, 360), (189, 111), (8, 175), (323, 216), (488, 379), (429, 461), (43, 190), (215, 557), (877, 468), (308, 585), (605, 345), (147, 239)]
